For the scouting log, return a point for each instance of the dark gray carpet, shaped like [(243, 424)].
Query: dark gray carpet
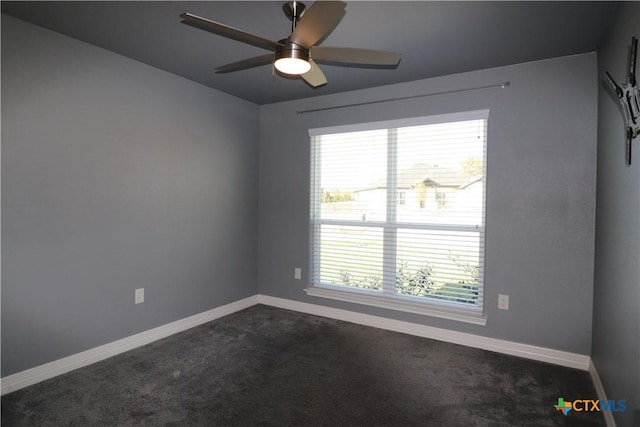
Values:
[(272, 367)]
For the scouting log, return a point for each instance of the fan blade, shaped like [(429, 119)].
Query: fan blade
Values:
[(354, 57), (317, 22), (315, 77), (229, 32), (246, 63)]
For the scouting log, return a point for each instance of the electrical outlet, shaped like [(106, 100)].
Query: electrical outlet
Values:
[(297, 273), (139, 298), (503, 302)]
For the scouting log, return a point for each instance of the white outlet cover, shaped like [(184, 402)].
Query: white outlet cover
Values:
[(139, 298), (297, 273), (503, 302)]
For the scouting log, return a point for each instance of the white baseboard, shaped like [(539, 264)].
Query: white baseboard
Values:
[(602, 396), (58, 367), (557, 357)]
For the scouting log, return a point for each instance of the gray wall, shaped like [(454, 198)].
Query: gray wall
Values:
[(541, 193), (616, 314), (116, 176)]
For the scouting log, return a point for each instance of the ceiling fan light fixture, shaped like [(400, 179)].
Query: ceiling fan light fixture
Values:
[(292, 66), (292, 59)]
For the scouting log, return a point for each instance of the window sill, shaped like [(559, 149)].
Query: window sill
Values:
[(398, 304)]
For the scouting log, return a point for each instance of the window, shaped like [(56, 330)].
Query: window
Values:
[(397, 214), (441, 199), (402, 197)]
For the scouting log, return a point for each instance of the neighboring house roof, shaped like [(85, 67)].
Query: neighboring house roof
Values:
[(469, 184), (428, 175), (431, 176)]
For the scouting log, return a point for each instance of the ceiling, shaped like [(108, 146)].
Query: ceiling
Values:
[(434, 38)]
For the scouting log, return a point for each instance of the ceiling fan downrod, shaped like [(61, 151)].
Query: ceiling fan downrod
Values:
[(294, 11)]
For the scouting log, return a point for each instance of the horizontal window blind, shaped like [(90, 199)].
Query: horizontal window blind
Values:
[(397, 210)]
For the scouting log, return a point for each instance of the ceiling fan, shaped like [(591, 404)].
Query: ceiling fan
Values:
[(299, 52)]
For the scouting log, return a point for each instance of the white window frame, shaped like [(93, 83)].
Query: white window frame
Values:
[(388, 298)]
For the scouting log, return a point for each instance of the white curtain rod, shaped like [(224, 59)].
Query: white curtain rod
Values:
[(500, 85)]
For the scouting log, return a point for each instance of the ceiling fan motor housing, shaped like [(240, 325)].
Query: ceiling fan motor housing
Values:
[(291, 50)]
